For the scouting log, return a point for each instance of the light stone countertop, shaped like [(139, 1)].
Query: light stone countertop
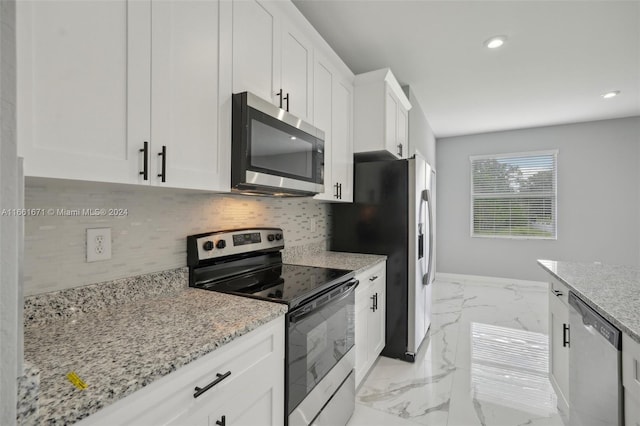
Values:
[(122, 347), (612, 291), (332, 259)]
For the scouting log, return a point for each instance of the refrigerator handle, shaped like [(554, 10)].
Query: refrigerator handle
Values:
[(426, 197)]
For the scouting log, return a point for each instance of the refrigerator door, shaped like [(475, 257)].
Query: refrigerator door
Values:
[(419, 290)]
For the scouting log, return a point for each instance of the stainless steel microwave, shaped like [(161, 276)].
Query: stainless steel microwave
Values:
[(274, 152)]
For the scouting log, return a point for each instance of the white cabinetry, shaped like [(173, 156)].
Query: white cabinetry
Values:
[(184, 94), (333, 113), (271, 57), (249, 388), (370, 318), (82, 99), (92, 91), (559, 335), (381, 115), (631, 380)]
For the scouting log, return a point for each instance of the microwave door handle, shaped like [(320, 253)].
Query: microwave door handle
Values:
[(298, 316)]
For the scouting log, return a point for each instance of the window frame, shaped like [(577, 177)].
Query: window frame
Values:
[(473, 158)]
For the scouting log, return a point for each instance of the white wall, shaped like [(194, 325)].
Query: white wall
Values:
[(598, 199), (10, 300), (152, 235), (421, 137)]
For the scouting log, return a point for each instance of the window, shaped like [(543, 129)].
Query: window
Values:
[(514, 195)]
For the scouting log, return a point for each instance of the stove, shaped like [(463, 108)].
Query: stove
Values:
[(320, 355)]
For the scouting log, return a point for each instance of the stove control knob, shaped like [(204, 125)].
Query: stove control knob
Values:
[(271, 237), (221, 244), (208, 245), (278, 237)]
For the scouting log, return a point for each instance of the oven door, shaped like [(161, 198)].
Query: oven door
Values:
[(320, 333), (274, 151)]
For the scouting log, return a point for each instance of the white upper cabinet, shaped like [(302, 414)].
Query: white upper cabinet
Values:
[(381, 115), (296, 71), (106, 88), (333, 113), (342, 143), (271, 57), (184, 95), (256, 66), (83, 91)]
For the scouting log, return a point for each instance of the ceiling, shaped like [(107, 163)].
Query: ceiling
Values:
[(560, 57)]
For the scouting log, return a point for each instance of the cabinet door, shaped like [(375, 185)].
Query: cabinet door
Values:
[(256, 59), (342, 156), (391, 123), (322, 117), (559, 354), (296, 71), (403, 129), (258, 406), (361, 335), (377, 319), (631, 410), (185, 111), (83, 88)]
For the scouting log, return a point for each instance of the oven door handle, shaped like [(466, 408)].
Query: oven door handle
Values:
[(349, 287)]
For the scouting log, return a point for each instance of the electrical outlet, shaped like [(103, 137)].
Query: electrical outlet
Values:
[(98, 244)]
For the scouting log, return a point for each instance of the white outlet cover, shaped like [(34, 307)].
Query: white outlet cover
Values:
[(98, 244)]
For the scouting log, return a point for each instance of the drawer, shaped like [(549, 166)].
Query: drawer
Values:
[(367, 279), (170, 397), (631, 366), (559, 290)]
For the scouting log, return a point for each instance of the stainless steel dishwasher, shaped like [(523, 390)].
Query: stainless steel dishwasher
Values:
[(595, 385)]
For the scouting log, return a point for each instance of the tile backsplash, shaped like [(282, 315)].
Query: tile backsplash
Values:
[(150, 235)]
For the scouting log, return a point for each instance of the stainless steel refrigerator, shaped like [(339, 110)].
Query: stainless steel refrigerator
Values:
[(392, 214)]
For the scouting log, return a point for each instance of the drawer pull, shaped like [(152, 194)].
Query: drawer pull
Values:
[(558, 293), (373, 278), (222, 421), (220, 377)]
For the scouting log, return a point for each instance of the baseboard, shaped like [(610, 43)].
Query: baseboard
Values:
[(481, 279)]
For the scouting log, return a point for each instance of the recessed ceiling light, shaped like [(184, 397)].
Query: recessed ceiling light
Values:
[(495, 42), (611, 94)]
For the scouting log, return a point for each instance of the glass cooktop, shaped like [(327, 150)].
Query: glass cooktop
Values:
[(283, 283)]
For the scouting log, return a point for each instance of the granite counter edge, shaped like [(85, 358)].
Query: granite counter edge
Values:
[(599, 309)]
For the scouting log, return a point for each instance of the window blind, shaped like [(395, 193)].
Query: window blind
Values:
[(514, 195)]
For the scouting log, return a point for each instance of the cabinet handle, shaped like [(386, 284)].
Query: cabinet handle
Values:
[(163, 154), (557, 293), (222, 421), (220, 377), (336, 195), (286, 98), (373, 303), (373, 278), (340, 191), (565, 335), (279, 94), (145, 161), (400, 149)]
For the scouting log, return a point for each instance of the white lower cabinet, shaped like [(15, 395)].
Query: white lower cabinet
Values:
[(559, 335), (248, 388), (370, 318), (631, 380)]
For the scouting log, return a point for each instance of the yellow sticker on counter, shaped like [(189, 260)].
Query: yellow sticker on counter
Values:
[(77, 381)]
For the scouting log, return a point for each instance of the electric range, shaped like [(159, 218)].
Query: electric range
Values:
[(320, 355)]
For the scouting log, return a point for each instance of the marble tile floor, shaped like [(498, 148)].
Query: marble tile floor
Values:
[(485, 363)]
